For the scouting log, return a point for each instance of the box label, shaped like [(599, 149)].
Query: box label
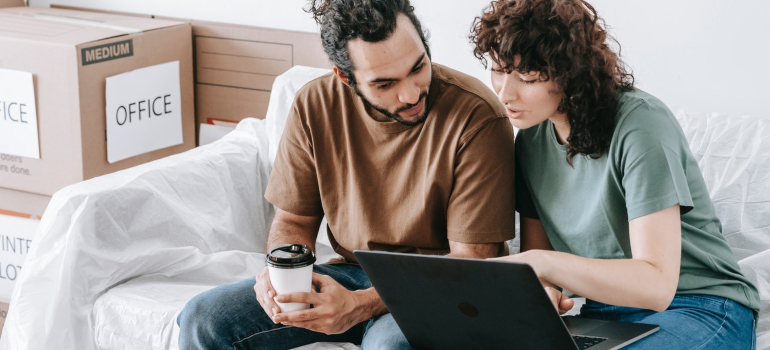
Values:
[(144, 111), (13, 165), (18, 115), (16, 235), (107, 52)]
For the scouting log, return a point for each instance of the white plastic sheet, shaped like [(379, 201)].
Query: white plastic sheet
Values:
[(281, 98), (181, 218), (733, 153)]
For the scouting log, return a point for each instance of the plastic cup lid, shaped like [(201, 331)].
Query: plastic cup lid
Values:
[(290, 256)]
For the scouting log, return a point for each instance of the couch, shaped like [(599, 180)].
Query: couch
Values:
[(116, 257)]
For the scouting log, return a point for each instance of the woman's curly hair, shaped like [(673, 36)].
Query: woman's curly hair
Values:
[(563, 40)]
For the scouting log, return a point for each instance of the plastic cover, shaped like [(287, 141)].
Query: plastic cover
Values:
[(733, 153)]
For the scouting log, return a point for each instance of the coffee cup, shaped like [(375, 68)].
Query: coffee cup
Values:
[(291, 271)]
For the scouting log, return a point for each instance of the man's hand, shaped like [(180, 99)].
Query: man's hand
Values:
[(286, 228), (265, 293), (335, 309)]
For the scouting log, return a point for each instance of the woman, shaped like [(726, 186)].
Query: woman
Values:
[(613, 205)]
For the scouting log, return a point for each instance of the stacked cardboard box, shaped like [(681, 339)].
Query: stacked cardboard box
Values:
[(20, 214), (3, 314), (79, 68), (235, 69), (235, 66), (71, 55), (11, 3)]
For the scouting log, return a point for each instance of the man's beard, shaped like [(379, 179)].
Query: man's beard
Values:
[(394, 115)]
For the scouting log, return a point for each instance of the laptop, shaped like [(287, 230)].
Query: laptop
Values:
[(454, 303)]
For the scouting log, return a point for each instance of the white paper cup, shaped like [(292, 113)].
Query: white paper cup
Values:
[(291, 271)]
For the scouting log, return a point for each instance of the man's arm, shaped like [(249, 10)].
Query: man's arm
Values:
[(288, 228), (477, 251)]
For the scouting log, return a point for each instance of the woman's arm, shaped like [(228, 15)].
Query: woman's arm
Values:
[(533, 237), (648, 280)]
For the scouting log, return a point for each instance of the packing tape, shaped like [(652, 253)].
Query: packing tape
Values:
[(17, 214), (86, 22)]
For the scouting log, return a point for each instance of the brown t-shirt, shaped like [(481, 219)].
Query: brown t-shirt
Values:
[(387, 186)]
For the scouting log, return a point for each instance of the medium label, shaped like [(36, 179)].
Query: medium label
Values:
[(107, 52)]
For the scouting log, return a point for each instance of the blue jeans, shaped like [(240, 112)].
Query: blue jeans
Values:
[(229, 317), (690, 322)]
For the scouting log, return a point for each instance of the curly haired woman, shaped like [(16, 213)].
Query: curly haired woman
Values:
[(613, 205)]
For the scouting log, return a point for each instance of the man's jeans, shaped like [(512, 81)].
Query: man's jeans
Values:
[(229, 317), (690, 322)]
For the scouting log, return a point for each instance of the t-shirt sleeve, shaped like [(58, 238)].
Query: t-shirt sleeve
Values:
[(293, 183), (481, 205), (653, 161), (524, 204)]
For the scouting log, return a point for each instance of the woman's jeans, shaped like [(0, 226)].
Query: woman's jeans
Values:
[(229, 317), (691, 322)]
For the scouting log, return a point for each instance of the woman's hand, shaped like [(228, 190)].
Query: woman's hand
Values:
[(534, 258), (537, 260), (560, 301)]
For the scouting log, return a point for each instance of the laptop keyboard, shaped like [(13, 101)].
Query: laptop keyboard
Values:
[(586, 342)]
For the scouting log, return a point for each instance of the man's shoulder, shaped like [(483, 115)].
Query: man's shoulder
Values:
[(320, 87), (465, 102), (463, 88)]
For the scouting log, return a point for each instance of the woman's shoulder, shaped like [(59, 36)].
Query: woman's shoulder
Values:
[(641, 112), (637, 102), (644, 124)]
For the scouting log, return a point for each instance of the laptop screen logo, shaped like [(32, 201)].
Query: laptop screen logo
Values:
[(468, 309)]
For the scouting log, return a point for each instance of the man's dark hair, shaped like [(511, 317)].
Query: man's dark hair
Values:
[(369, 20)]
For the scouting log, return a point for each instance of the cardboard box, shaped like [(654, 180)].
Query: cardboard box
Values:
[(20, 214), (22, 204), (12, 3), (3, 315), (70, 55), (236, 65)]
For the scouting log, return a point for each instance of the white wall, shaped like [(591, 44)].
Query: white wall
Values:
[(707, 55)]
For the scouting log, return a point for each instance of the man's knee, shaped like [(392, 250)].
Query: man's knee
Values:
[(194, 320), (221, 316), (384, 333)]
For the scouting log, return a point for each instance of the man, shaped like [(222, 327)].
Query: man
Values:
[(399, 153)]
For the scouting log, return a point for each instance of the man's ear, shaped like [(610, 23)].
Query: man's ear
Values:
[(341, 75)]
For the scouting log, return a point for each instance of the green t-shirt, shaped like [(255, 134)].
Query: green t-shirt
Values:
[(649, 167)]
